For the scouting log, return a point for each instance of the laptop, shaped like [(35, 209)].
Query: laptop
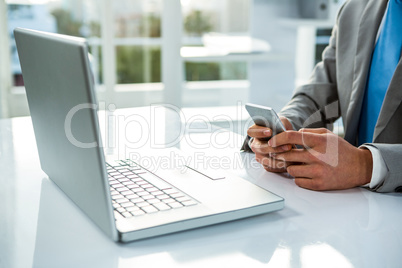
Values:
[(125, 200)]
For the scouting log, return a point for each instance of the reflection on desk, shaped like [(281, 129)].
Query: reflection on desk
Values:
[(41, 227)]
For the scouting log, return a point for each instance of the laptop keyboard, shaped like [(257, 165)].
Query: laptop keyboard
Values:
[(136, 191)]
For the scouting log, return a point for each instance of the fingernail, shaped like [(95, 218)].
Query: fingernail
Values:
[(270, 143), (285, 147), (267, 132)]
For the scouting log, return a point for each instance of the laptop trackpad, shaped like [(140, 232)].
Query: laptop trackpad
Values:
[(190, 180)]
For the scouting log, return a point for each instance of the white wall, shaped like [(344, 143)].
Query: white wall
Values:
[(272, 82), (5, 74)]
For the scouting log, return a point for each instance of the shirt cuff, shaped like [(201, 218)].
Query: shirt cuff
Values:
[(379, 167)]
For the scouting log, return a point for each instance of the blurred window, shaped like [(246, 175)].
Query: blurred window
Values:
[(125, 41)]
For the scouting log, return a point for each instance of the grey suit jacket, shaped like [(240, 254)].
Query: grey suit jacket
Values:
[(336, 87)]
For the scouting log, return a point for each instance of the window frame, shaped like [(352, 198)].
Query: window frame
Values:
[(173, 88)]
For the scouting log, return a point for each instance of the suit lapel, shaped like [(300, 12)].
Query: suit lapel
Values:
[(391, 102), (368, 28)]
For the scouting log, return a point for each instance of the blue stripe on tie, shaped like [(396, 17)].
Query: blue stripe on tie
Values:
[(386, 56)]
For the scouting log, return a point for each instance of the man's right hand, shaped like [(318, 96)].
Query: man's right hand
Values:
[(264, 152)]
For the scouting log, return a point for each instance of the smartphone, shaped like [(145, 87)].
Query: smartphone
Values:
[(265, 117)]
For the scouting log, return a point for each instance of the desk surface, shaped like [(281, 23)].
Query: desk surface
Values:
[(41, 227)]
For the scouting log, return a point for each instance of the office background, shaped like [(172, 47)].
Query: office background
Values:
[(188, 53), (151, 51)]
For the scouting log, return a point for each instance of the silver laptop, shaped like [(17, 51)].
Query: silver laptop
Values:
[(125, 200)]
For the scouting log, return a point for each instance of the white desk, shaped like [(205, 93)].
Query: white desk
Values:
[(40, 227)]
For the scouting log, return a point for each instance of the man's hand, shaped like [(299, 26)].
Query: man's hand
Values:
[(263, 151), (328, 161)]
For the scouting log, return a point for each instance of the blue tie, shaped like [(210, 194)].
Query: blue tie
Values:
[(385, 58)]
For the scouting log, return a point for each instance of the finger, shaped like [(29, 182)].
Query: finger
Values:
[(259, 132), (315, 130), (311, 184), (261, 146), (306, 139), (286, 123), (271, 164), (295, 155), (275, 170), (304, 171)]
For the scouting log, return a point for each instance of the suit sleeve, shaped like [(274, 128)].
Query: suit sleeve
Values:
[(392, 155), (310, 104)]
